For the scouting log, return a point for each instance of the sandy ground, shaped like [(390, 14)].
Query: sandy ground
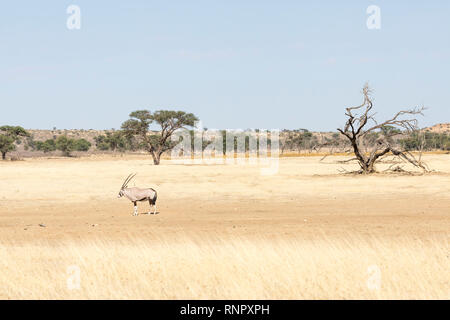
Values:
[(306, 201), (71, 195)]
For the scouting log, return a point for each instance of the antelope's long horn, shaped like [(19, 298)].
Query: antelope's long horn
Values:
[(126, 181), (130, 177)]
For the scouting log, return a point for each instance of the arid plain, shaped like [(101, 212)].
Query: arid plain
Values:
[(223, 231)]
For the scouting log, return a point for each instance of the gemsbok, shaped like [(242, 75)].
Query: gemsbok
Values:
[(138, 194)]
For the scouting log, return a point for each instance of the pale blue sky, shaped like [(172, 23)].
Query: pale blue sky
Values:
[(235, 64)]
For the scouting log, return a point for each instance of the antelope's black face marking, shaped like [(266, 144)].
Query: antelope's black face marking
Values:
[(120, 194)]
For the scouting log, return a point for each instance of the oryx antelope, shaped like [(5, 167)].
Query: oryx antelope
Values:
[(138, 194)]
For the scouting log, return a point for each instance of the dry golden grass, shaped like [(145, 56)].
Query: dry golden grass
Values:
[(199, 268), (224, 231)]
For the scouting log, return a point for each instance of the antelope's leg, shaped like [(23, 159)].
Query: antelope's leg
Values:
[(154, 212), (150, 203), (135, 209)]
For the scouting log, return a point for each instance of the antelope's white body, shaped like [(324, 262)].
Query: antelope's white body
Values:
[(138, 194)]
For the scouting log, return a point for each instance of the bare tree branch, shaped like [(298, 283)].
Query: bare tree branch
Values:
[(371, 143)]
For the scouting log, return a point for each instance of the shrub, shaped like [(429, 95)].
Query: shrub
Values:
[(82, 145), (67, 145)]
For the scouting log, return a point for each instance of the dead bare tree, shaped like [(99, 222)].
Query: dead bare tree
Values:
[(371, 140)]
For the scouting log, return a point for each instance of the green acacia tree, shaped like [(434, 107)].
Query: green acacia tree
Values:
[(9, 135), (156, 143), (68, 145), (46, 146), (113, 141), (82, 145), (65, 144)]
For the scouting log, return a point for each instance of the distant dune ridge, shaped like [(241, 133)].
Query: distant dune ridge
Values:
[(318, 140), (91, 134), (439, 128)]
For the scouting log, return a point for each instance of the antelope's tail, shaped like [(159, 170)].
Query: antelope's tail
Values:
[(153, 200)]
